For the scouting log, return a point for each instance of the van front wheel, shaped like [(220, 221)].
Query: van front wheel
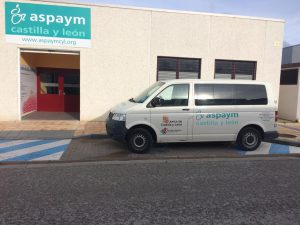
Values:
[(139, 140), (249, 139)]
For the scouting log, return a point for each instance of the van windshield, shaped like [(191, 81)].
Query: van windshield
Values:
[(148, 92)]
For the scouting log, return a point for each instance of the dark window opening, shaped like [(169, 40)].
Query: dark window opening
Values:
[(71, 83), (236, 70), (49, 83), (289, 77), (178, 68)]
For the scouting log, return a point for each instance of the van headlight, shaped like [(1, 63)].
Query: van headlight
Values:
[(119, 116)]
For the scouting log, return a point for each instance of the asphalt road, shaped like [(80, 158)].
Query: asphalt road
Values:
[(220, 191)]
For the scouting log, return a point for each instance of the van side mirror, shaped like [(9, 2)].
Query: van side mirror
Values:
[(156, 101)]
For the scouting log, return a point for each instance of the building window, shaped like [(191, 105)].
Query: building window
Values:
[(289, 77), (178, 68), (230, 94), (238, 70)]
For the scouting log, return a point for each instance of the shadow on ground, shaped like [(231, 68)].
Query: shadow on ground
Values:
[(107, 149)]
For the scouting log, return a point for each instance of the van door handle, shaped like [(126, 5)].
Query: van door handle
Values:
[(185, 109)]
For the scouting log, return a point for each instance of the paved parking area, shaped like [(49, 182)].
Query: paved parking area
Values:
[(85, 149), (107, 149), (69, 140)]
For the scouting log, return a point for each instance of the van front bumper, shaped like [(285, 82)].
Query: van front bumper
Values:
[(270, 135), (116, 129)]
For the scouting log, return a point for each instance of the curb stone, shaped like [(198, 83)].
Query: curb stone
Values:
[(150, 160), (89, 136)]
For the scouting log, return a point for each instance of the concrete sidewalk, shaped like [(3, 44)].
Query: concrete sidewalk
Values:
[(289, 133), (45, 129)]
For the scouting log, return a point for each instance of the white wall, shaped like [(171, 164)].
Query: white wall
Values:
[(126, 43), (289, 101), (117, 67), (288, 98)]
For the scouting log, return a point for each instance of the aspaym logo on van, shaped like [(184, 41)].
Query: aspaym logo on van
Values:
[(217, 119), (42, 24)]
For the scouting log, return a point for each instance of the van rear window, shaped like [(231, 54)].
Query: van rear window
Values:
[(230, 94)]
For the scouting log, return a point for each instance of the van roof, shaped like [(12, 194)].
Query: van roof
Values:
[(218, 81)]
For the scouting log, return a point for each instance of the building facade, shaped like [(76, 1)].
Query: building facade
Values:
[(86, 58), (289, 97)]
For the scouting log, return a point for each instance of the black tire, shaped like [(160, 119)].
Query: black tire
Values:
[(249, 139), (139, 140)]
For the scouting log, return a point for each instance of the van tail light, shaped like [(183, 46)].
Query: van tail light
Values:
[(276, 116)]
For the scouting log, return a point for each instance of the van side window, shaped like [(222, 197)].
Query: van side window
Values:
[(224, 94), (174, 95), (251, 95), (204, 94), (230, 94), (214, 94)]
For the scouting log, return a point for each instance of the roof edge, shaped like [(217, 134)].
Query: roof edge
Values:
[(291, 46), (160, 10)]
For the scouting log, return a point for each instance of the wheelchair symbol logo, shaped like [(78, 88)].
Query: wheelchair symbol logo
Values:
[(16, 16)]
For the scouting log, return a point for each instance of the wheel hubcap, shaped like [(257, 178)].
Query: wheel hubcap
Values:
[(250, 139), (139, 140)]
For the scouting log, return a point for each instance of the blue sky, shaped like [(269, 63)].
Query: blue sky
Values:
[(289, 10)]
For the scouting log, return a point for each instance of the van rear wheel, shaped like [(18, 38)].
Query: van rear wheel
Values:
[(249, 139), (139, 140)]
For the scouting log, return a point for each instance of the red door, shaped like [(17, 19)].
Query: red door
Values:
[(58, 90)]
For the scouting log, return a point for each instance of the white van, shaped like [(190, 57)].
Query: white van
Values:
[(196, 111)]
